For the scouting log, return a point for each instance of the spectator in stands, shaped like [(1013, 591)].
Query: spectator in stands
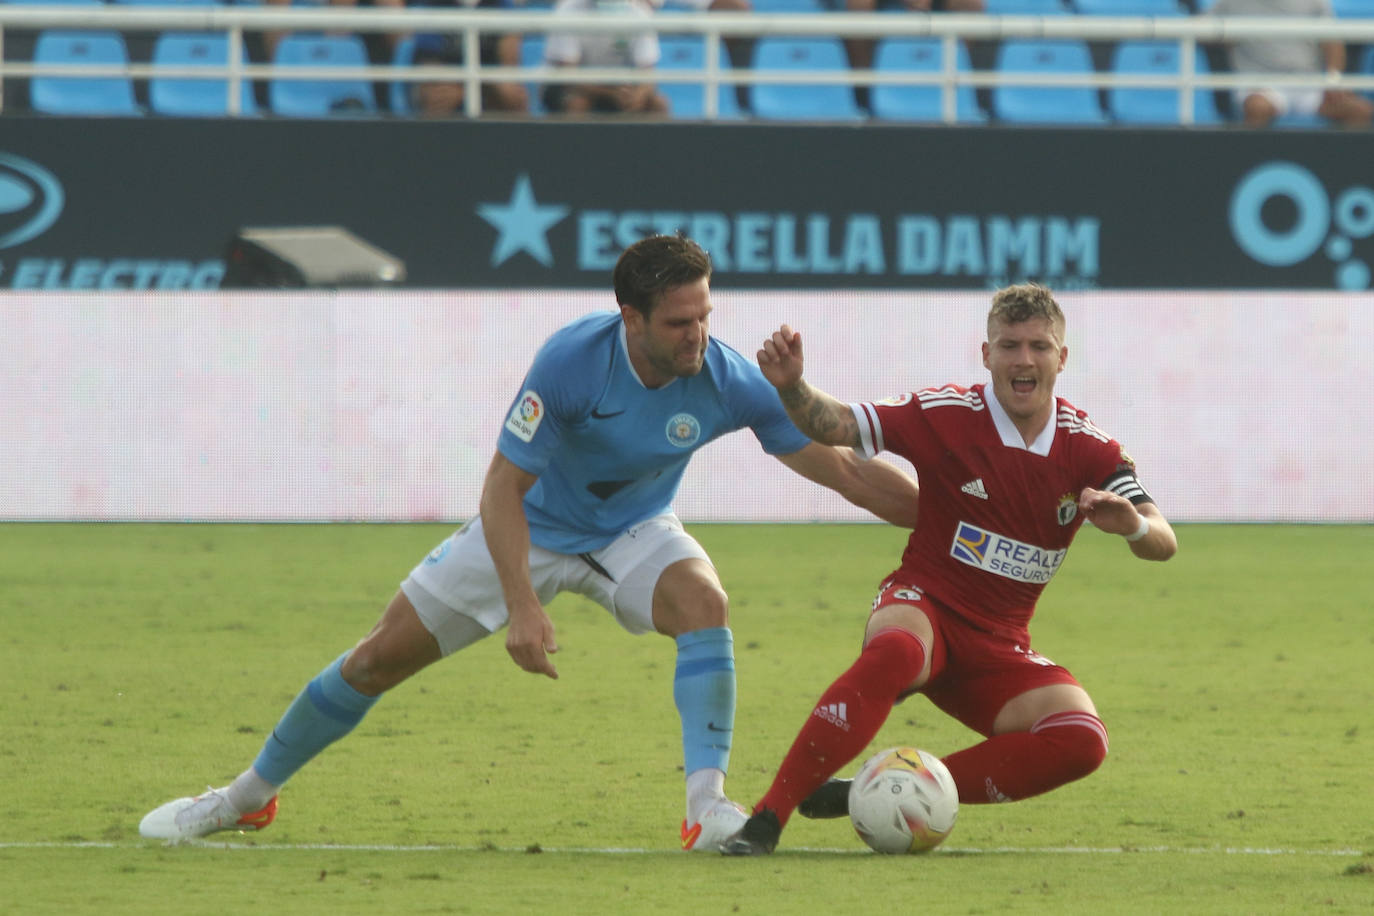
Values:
[(441, 98), (380, 46), (739, 48), (1259, 105), (270, 39), (595, 49), (860, 50)]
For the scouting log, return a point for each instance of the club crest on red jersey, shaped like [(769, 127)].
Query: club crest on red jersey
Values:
[(1068, 508)]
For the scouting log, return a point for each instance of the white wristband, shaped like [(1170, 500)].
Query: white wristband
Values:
[(1140, 532)]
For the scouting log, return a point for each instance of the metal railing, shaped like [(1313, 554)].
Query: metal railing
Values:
[(1187, 31)]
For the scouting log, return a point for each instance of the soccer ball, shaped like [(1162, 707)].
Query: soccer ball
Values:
[(903, 800)]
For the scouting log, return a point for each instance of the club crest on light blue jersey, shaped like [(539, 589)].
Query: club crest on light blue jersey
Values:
[(683, 430)]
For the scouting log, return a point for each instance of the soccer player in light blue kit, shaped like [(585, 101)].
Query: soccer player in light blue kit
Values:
[(578, 498)]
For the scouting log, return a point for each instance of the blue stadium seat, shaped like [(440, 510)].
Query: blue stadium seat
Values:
[(799, 101), (920, 103), (1046, 104), (1025, 7), (688, 100), (82, 95), (1353, 9), (171, 95), (307, 98), (1301, 122), (1128, 7), (1138, 105), (532, 55), (398, 91), (788, 6)]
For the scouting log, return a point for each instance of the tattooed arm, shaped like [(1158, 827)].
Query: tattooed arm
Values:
[(823, 418)]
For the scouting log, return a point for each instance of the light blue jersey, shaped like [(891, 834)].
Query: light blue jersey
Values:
[(610, 452)]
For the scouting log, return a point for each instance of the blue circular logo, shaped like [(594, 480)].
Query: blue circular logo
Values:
[(1355, 211), (1280, 179), (31, 200), (683, 430)]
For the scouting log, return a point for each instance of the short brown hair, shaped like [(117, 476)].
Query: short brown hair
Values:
[(654, 265), (1022, 302)]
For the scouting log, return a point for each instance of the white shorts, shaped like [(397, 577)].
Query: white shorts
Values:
[(457, 583), (1303, 102)]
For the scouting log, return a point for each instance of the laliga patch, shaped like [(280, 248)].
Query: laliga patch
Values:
[(526, 416)]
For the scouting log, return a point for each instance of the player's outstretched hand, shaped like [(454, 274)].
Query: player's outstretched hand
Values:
[(529, 640), (780, 359)]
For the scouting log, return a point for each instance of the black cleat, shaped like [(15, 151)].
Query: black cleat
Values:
[(758, 836), (830, 800)]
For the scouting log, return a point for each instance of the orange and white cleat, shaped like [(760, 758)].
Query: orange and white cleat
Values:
[(192, 818), (721, 821)]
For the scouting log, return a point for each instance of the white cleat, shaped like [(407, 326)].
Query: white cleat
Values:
[(192, 818), (720, 822)]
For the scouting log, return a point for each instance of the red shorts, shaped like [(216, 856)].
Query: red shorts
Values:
[(973, 673)]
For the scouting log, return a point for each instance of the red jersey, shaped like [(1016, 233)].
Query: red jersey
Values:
[(996, 516)]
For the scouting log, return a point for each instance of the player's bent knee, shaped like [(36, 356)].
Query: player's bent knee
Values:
[(365, 674), (377, 664), (1087, 754), (708, 607), (1079, 740), (686, 599)]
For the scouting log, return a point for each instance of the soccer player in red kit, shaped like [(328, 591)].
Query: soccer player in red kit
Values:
[(1008, 473)]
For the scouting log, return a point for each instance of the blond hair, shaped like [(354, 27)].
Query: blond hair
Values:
[(1022, 302)]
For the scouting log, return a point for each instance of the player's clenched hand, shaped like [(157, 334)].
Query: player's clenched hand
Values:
[(1108, 512), (780, 359), (529, 640)]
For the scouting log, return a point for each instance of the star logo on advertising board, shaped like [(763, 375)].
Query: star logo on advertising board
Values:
[(522, 224)]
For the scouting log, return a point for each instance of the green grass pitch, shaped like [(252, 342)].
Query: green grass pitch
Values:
[(143, 662)]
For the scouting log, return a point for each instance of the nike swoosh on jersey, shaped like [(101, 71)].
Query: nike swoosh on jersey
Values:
[(598, 415)]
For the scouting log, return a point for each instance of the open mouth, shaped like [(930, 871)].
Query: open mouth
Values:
[(1022, 384)]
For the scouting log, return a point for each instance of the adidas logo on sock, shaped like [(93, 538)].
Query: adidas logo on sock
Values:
[(975, 488), (837, 714)]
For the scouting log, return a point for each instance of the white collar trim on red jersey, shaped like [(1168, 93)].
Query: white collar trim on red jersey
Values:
[(1011, 436)]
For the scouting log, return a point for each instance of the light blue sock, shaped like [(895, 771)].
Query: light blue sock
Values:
[(322, 713), (704, 690)]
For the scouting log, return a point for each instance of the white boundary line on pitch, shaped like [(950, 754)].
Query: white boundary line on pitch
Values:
[(615, 851)]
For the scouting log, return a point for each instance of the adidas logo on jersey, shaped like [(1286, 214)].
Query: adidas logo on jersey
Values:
[(837, 714), (975, 488)]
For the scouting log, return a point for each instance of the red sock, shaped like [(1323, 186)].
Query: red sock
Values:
[(846, 718), (1058, 749)]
